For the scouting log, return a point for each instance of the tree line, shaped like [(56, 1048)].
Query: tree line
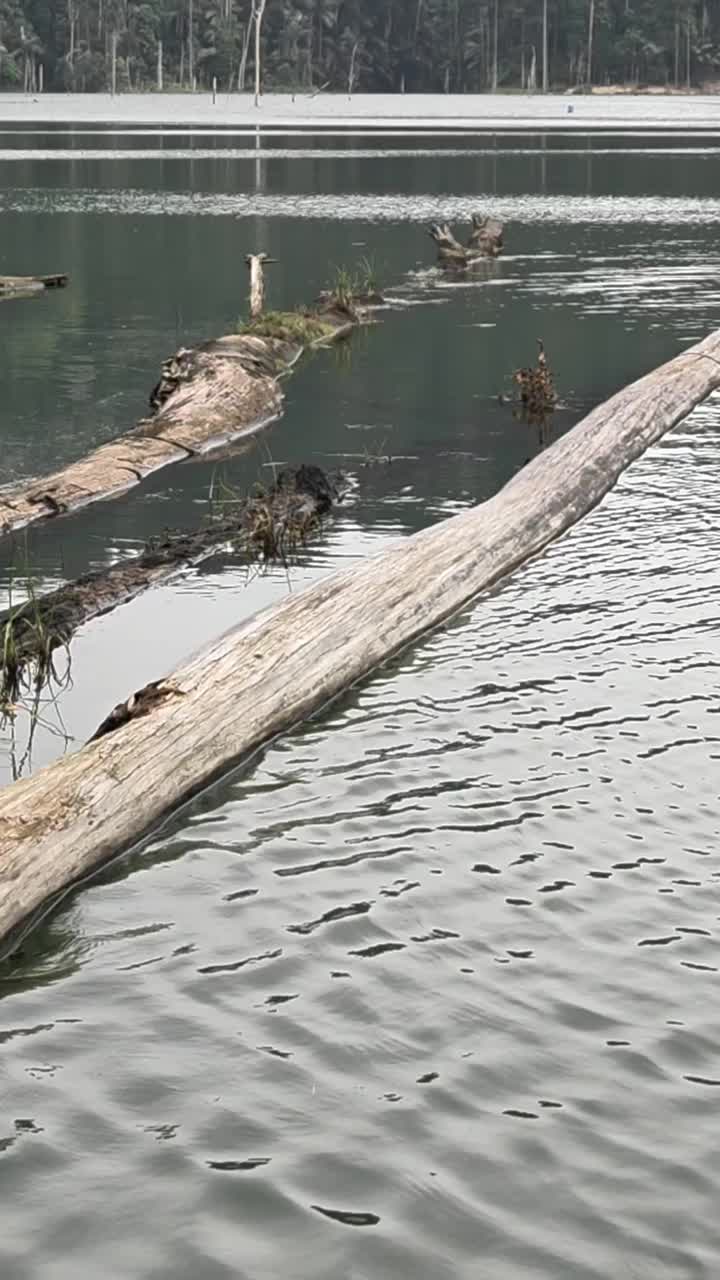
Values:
[(451, 46)]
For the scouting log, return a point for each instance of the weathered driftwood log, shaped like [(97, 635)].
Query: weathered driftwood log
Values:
[(486, 241), (207, 396), (31, 284), (269, 526), (289, 660)]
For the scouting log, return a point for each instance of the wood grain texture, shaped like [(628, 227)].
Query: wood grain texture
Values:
[(279, 666)]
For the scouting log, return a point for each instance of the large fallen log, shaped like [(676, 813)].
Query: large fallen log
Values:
[(207, 396), (31, 284), (270, 526), (178, 734)]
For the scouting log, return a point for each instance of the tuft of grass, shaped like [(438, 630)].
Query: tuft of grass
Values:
[(351, 286), (342, 289), (289, 326), (27, 640)]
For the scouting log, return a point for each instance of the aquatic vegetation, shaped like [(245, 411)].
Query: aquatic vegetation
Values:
[(301, 327), (537, 387)]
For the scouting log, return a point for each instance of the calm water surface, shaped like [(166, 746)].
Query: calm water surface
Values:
[(429, 991)]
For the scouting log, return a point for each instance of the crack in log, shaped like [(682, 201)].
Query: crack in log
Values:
[(191, 453)]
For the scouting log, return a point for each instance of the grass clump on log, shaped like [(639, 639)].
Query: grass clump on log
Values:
[(270, 526), (298, 327), (27, 628)]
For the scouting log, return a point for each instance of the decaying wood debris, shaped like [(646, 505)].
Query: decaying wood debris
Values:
[(290, 660), (207, 396), (270, 526), (486, 241), (31, 284), (537, 388)]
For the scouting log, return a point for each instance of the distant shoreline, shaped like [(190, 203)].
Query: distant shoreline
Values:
[(613, 110)]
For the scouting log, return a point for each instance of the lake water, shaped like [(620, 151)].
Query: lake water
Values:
[(429, 991)]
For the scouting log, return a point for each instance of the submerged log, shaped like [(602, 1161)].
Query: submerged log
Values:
[(31, 284), (206, 396), (270, 526), (486, 241), (291, 659)]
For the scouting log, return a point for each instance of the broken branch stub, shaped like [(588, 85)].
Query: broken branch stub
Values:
[(256, 262)]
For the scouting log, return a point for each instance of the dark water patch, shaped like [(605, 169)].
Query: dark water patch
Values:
[(348, 1217), (239, 1166), (330, 917), (378, 949), (240, 964)]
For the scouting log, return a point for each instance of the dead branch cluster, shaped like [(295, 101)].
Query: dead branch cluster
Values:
[(536, 387), (485, 241)]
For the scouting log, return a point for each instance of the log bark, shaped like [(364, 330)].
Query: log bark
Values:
[(206, 397), (269, 526), (31, 284), (278, 667)]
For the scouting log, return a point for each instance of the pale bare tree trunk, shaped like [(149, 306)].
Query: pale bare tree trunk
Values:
[(494, 82), (591, 32), (257, 284), (351, 72), (677, 54), (259, 13), (113, 63), (242, 69), (687, 72), (191, 51), (41, 78), (418, 20), (159, 66), (545, 47)]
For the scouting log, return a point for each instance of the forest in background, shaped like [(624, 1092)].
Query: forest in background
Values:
[(431, 46)]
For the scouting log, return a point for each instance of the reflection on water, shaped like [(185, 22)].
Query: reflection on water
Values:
[(433, 982)]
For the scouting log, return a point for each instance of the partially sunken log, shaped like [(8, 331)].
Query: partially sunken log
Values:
[(31, 284), (288, 661), (270, 526), (207, 396), (486, 241)]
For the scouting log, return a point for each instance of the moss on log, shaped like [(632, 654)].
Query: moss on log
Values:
[(206, 396), (285, 663)]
